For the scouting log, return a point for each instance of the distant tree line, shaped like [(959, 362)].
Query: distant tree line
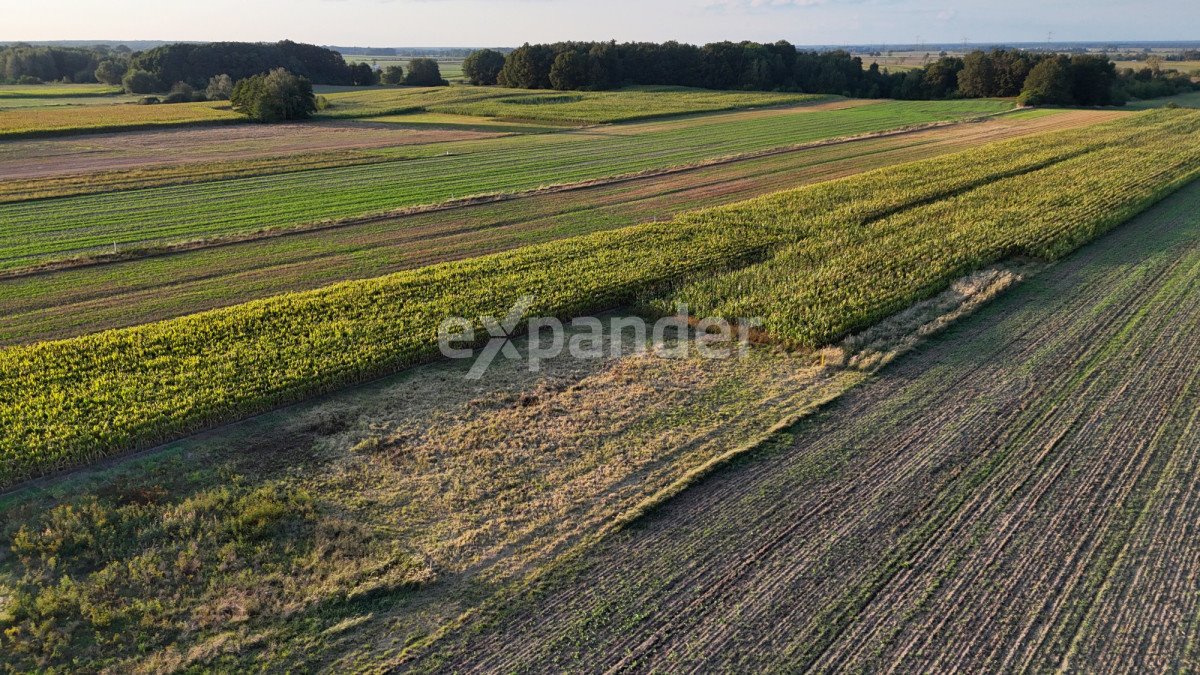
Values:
[(196, 63), (26, 64), (1039, 78)]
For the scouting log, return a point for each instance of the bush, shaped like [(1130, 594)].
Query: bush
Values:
[(183, 92), (28, 79), (139, 82), (424, 73), (392, 75), (220, 87), (149, 100), (274, 97), (483, 67)]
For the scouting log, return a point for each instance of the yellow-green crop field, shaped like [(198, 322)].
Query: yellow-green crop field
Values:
[(870, 244)]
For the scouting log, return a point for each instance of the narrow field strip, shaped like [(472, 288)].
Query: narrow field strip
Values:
[(1013, 497), (67, 402), (36, 232), (69, 302)]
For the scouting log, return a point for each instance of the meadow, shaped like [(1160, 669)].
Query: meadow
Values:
[(36, 232), (871, 244)]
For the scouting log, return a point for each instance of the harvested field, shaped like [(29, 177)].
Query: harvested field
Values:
[(85, 157), (36, 232), (1018, 495), (70, 302)]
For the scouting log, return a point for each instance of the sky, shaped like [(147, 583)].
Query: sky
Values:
[(501, 23)]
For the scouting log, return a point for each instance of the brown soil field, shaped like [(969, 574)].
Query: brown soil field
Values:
[(50, 157), (74, 301), (1017, 495)]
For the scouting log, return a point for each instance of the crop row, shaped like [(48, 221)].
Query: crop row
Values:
[(558, 107), (93, 298), (36, 231), (814, 291), (76, 400)]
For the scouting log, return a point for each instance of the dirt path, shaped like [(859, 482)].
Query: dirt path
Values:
[(1018, 495)]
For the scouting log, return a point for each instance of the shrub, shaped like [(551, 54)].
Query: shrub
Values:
[(149, 100), (28, 79), (183, 92), (139, 82), (274, 97), (424, 73)]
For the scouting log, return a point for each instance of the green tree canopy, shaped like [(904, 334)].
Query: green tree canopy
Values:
[(1048, 83), (274, 97), (392, 75), (483, 67), (424, 72), (139, 82), (110, 71)]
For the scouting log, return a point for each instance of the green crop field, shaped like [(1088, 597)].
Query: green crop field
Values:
[(871, 243), (16, 122), (35, 232), (559, 107), (91, 298), (52, 91)]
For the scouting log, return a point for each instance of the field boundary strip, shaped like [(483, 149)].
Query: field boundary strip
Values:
[(151, 251)]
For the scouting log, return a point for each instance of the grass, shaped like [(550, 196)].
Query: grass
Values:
[(843, 253), (56, 120), (34, 232)]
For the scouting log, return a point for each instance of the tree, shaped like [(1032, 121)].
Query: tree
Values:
[(274, 97), (527, 67), (110, 71), (569, 71), (1092, 79), (1048, 83), (392, 75), (139, 82), (220, 87), (483, 67), (977, 79), (424, 72), (362, 75)]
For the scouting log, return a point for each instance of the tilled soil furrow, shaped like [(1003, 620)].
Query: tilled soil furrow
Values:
[(960, 512)]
